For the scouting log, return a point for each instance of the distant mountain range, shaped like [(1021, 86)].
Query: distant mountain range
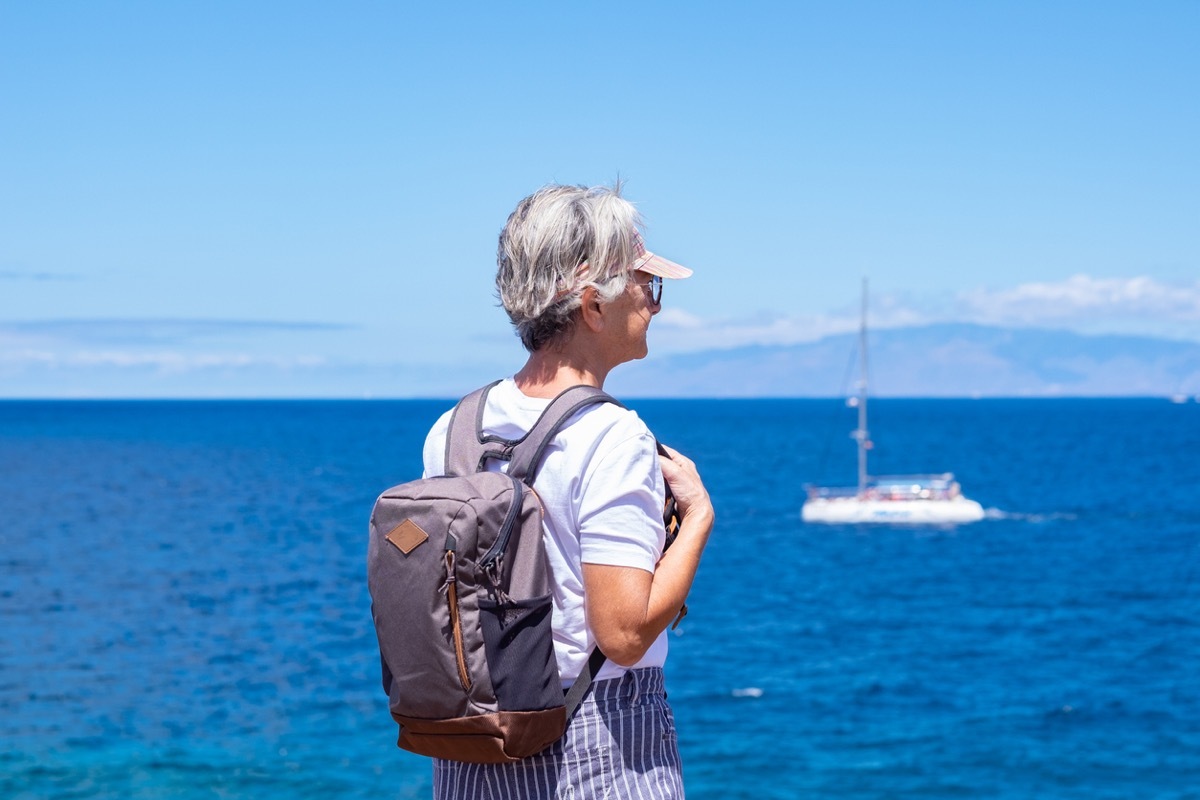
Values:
[(945, 360)]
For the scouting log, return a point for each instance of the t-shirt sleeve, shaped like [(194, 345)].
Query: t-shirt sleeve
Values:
[(620, 516)]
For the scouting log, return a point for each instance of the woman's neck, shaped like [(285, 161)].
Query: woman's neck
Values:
[(548, 372)]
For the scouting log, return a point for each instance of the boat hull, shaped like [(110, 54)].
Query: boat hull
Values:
[(854, 510)]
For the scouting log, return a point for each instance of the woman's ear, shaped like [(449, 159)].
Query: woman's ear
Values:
[(591, 310)]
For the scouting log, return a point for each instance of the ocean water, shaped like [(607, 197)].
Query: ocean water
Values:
[(184, 609)]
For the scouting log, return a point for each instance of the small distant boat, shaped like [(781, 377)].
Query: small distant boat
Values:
[(893, 499)]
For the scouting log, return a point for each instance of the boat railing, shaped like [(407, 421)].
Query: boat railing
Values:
[(830, 492), (894, 487)]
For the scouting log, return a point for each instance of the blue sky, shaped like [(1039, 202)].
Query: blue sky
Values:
[(291, 199)]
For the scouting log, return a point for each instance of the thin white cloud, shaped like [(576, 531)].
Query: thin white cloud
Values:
[(160, 361), (30, 275), (677, 318), (1083, 298), (145, 331), (684, 331), (1139, 305)]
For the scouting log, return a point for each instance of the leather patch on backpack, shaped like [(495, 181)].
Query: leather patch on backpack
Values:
[(407, 536)]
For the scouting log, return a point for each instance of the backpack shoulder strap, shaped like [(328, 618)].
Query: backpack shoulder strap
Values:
[(528, 451), (465, 442), (468, 448), (584, 682)]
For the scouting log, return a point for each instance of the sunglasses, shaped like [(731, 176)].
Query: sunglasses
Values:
[(655, 284)]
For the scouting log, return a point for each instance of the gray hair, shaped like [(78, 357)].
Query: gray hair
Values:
[(559, 241)]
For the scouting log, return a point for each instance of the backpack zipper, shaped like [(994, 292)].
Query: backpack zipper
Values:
[(451, 587), (490, 563)]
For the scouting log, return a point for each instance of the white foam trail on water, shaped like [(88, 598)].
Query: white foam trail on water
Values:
[(749, 691), (995, 513)]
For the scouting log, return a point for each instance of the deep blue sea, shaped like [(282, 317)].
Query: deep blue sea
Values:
[(184, 610)]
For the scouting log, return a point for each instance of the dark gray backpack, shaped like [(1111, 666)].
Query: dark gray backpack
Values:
[(461, 596)]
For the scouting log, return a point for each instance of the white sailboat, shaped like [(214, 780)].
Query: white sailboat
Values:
[(893, 499)]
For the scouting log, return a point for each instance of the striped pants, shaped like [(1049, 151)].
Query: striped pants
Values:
[(620, 745)]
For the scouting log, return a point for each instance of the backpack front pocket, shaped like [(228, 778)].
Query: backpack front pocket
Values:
[(456, 633), (520, 653)]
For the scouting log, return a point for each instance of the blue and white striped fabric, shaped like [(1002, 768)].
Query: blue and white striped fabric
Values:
[(620, 745)]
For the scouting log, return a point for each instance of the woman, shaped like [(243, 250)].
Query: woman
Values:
[(581, 290)]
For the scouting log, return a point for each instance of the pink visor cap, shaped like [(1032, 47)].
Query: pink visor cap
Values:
[(655, 264)]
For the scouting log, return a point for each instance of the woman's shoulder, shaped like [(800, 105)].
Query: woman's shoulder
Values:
[(611, 419), (600, 420), (606, 429), (595, 430)]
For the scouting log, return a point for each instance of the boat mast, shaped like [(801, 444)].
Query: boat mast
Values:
[(861, 435)]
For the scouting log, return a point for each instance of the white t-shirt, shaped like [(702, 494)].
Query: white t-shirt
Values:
[(602, 490)]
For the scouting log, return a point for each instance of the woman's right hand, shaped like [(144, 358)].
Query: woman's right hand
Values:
[(691, 498)]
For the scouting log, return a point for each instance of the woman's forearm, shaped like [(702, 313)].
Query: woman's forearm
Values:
[(628, 608)]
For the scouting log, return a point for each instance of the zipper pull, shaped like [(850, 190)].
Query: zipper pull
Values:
[(493, 568), (451, 543)]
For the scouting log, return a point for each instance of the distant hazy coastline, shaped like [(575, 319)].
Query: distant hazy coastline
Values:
[(945, 360)]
